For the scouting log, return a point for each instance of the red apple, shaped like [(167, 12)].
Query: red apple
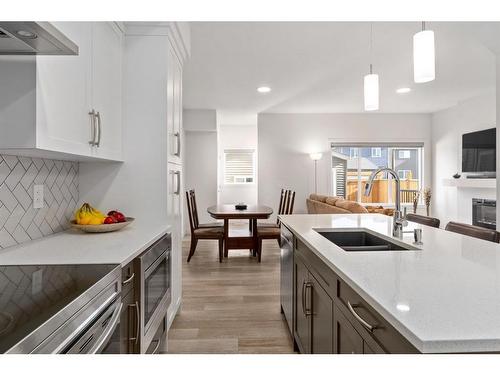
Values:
[(118, 216), (110, 220)]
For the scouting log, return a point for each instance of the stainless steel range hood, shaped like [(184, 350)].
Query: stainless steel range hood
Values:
[(34, 38)]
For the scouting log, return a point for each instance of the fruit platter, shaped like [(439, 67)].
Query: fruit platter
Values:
[(89, 219)]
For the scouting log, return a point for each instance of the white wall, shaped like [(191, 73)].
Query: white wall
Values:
[(236, 137), (450, 203), (285, 141), (200, 159)]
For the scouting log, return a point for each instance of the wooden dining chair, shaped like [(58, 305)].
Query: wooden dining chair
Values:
[(202, 231), (192, 194), (272, 231), (424, 220), (287, 200), (473, 231)]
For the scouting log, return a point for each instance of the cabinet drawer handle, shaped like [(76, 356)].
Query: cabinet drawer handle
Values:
[(137, 322), (365, 324), (98, 117), (125, 282), (92, 128), (308, 286), (303, 297), (178, 136), (178, 190)]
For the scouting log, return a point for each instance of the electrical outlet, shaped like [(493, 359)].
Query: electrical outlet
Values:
[(38, 196)]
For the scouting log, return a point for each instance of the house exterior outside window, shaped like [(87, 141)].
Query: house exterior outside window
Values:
[(362, 160), (376, 152)]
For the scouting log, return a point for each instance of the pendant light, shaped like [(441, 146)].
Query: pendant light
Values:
[(424, 58), (371, 89)]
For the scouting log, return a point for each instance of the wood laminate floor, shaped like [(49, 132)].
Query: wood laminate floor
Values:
[(230, 307)]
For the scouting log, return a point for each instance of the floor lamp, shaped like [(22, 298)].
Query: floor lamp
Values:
[(315, 157)]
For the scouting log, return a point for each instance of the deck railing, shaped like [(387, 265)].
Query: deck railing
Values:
[(380, 190)]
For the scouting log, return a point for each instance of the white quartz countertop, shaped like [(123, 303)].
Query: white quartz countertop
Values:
[(76, 247), (444, 297)]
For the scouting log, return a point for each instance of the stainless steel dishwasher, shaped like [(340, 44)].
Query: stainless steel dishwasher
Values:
[(286, 276)]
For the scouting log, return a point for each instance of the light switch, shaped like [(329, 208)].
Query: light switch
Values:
[(38, 196)]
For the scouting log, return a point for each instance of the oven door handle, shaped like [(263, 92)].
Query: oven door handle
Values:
[(152, 267), (108, 332)]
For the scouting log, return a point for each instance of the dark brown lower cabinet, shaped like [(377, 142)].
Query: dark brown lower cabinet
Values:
[(314, 313), (346, 339), (322, 319), (127, 327), (330, 317), (302, 326)]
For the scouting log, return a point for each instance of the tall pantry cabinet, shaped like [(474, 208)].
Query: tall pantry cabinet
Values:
[(160, 50)]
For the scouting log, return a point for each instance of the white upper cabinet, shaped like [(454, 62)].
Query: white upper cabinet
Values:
[(67, 94), (63, 96), (174, 102), (107, 50)]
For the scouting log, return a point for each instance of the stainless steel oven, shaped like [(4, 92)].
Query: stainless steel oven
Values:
[(154, 267), (65, 309)]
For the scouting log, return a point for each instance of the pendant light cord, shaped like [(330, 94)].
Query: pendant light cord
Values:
[(371, 47)]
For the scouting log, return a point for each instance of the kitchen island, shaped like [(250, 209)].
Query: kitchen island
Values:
[(442, 296)]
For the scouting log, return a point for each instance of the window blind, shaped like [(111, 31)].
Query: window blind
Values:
[(238, 166), (340, 176)]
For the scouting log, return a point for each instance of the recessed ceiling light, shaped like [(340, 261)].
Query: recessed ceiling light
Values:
[(403, 90), (264, 89), (403, 307)]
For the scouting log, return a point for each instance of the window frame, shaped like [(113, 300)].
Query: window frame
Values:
[(251, 151), (419, 146)]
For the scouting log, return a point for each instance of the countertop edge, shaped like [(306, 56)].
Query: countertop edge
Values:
[(143, 247), (50, 250)]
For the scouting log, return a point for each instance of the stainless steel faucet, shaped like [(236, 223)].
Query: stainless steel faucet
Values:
[(398, 221)]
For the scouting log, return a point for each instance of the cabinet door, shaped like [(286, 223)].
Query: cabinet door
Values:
[(322, 319), (63, 95), (107, 87), (128, 324), (174, 107), (346, 339), (174, 213), (302, 319)]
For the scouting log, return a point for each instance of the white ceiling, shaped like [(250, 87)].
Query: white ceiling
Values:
[(318, 67)]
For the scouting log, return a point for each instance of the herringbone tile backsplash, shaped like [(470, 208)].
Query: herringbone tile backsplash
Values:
[(19, 221)]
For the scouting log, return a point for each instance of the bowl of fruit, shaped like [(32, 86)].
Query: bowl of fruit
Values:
[(89, 219)]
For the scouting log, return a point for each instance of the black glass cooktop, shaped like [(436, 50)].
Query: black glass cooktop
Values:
[(31, 295)]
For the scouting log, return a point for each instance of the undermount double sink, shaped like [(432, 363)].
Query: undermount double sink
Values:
[(362, 240)]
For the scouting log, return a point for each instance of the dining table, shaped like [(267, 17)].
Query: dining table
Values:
[(251, 213)]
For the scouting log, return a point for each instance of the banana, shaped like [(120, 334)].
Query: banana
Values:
[(87, 215)]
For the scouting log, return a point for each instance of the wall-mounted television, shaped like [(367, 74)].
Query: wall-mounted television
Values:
[(479, 152)]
